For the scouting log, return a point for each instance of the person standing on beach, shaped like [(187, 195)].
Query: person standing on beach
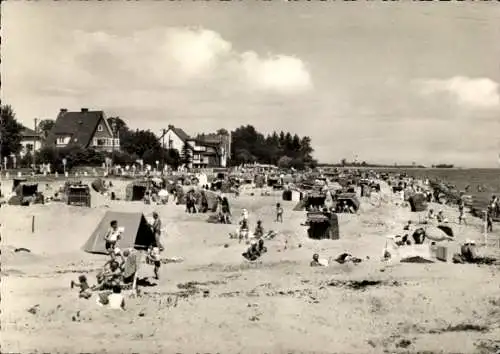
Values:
[(112, 236), (494, 205), (156, 226), (461, 215), (279, 213), (489, 219)]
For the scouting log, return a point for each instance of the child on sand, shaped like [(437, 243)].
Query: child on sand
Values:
[(316, 262), (112, 236), (259, 230), (279, 213), (153, 257), (85, 291)]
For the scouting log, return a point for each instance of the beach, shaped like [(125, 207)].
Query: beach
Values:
[(215, 301)]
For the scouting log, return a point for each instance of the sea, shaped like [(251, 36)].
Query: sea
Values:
[(488, 179)]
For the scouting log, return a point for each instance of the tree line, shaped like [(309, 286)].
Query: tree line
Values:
[(278, 148), (247, 146)]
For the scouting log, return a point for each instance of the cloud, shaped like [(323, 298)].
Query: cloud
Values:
[(196, 51), (280, 72), (162, 58), (472, 92)]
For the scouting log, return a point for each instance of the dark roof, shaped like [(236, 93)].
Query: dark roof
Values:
[(205, 143), (81, 126), (179, 132), (27, 132), (210, 138)]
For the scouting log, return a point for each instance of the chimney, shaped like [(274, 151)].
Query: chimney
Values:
[(84, 110), (64, 110), (170, 126)]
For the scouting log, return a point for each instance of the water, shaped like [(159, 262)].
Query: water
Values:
[(488, 179)]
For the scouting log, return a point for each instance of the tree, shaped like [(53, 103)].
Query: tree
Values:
[(121, 127), (10, 131), (248, 145), (343, 162), (45, 126), (186, 157), (139, 142), (285, 162), (222, 132)]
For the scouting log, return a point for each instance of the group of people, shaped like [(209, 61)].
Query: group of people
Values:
[(115, 274), (121, 267), (223, 210)]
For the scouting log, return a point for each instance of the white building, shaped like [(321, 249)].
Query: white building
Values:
[(209, 152), (31, 141)]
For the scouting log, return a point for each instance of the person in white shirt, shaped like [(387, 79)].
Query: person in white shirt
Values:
[(114, 301), (112, 236)]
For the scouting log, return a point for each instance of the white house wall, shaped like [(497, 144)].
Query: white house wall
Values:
[(37, 145), (177, 142)]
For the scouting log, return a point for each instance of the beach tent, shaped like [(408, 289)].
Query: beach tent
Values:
[(323, 226), (136, 190), (137, 233), (418, 202)]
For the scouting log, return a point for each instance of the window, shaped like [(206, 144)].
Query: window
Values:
[(99, 141), (29, 147), (100, 128), (62, 140)]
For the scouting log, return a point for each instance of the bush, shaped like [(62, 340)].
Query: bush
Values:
[(76, 156), (122, 158)]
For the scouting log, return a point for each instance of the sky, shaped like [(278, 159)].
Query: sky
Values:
[(374, 81)]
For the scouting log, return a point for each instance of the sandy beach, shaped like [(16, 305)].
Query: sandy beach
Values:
[(278, 304)]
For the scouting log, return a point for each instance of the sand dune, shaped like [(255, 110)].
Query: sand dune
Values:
[(278, 304)]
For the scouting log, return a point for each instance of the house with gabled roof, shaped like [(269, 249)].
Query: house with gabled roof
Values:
[(176, 138), (85, 129), (205, 151)]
